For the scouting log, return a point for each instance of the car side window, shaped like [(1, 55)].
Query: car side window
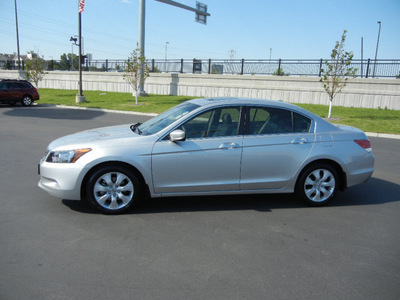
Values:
[(15, 85), (222, 121), (301, 123), (269, 121)]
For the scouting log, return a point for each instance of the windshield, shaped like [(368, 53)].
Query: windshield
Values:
[(158, 123)]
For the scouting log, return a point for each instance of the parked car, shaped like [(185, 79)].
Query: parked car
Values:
[(13, 91), (212, 146)]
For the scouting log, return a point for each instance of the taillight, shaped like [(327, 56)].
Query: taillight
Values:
[(365, 144)]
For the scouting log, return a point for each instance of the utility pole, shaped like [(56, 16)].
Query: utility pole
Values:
[(200, 17)]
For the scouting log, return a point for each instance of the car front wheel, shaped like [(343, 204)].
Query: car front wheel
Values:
[(318, 184), (113, 189), (26, 101)]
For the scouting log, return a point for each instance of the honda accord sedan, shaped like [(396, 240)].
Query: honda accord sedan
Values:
[(211, 146)]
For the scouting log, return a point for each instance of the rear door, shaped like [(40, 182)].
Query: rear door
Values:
[(275, 145), (15, 90)]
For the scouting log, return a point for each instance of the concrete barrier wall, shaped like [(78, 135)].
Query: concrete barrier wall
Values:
[(367, 93)]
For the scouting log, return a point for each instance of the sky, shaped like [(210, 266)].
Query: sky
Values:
[(252, 29)]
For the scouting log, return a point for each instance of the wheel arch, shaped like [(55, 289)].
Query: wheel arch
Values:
[(340, 172), (112, 163)]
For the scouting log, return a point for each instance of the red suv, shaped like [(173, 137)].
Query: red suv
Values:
[(13, 91)]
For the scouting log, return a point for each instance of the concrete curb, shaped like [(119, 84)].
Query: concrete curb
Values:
[(370, 134), (107, 110), (383, 135)]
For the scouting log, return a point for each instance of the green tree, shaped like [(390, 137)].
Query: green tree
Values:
[(8, 65), (69, 62), (132, 71), (34, 68), (338, 71)]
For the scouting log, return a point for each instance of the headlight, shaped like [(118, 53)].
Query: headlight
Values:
[(66, 156)]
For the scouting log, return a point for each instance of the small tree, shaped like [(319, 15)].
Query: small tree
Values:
[(338, 71), (34, 69), (279, 72), (132, 71)]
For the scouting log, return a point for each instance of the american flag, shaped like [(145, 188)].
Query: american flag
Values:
[(81, 5)]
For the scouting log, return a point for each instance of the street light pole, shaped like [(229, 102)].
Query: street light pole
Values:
[(377, 45), (362, 55), (16, 25), (201, 17), (142, 23), (166, 49)]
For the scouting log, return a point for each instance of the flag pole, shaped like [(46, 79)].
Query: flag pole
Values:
[(80, 98)]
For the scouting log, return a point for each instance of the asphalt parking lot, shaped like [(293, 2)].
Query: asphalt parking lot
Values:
[(247, 247)]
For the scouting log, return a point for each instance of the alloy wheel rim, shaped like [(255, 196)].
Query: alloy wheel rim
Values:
[(113, 190), (319, 185), (27, 101)]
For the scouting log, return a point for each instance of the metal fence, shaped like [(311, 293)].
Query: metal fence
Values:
[(367, 68)]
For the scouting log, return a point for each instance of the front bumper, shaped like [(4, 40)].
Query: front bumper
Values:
[(61, 180)]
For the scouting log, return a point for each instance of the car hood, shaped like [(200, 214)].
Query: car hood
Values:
[(94, 136)]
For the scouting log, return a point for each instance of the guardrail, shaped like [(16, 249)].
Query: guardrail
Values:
[(367, 68)]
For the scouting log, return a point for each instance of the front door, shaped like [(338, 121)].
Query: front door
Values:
[(208, 160)]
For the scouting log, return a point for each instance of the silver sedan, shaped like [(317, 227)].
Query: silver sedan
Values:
[(211, 146)]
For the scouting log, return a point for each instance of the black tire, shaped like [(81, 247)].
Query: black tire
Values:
[(26, 101), (318, 184), (113, 189)]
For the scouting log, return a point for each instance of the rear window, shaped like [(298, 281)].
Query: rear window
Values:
[(26, 85)]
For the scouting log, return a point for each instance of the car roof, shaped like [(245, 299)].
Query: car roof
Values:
[(14, 80), (245, 101)]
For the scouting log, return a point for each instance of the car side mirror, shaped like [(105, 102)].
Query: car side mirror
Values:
[(177, 136)]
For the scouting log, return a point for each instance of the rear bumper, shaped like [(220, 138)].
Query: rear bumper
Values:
[(360, 177)]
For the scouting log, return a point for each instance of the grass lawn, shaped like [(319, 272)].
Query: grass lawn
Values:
[(112, 100), (369, 120)]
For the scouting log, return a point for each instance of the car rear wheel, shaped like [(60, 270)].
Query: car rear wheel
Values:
[(318, 184), (113, 189), (26, 101)]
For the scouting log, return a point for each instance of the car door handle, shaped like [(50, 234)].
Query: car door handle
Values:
[(228, 146), (300, 141)]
